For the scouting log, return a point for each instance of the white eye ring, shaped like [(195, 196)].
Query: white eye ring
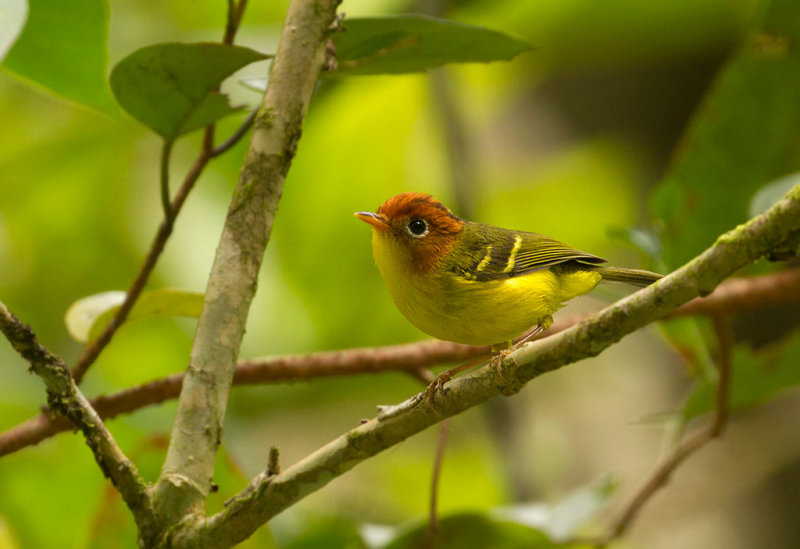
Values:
[(417, 228)]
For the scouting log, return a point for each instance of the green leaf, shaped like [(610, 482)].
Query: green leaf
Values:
[(63, 48), (170, 87), (474, 531), (87, 317), (13, 14), (688, 336), (771, 193), (415, 43), (746, 134), (562, 520), (757, 376), (642, 240), (320, 532)]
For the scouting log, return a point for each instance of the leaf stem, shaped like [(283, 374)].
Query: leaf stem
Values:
[(166, 153), (93, 350), (240, 132)]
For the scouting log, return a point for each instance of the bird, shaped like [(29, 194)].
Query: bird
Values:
[(477, 284)]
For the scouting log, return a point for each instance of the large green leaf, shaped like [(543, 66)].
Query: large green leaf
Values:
[(13, 14), (771, 193), (746, 134), (757, 376), (474, 531), (87, 317), (534, 525), (414, 43), (563, 520), (170, 87), (63, 48)]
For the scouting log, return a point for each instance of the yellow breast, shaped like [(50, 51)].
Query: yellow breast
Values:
[(450, 307)]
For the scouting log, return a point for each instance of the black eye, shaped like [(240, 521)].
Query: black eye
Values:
[(417, 227)]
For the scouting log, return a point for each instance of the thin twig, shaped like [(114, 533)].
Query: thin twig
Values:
[(430, 535), (725, 341), (171, 210), (189, 464), (93, 350), (739, 295), (166, 153), (230, 26), (65, 398), (658, 479), (414, 358), (235, 14), (265, 497), (734, 295), (235, 137)]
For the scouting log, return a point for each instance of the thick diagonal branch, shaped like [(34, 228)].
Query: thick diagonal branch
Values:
[(186, 476), (64, 397), (267, 496), (734, 296)]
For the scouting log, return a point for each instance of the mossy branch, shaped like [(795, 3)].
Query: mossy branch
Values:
[(732, 297), (186, 476), (268, 495), (64, 398)]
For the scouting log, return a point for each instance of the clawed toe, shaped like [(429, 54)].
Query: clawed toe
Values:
[(498, 360), (436, 386)]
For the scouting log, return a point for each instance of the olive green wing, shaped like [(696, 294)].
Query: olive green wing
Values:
[(491, 253)]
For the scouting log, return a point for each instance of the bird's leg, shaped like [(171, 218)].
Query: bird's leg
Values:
[(507, 348), (530, 335), (438, 383), (499, 352)]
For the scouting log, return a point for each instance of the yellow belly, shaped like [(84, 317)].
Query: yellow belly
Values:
[(452, 308)]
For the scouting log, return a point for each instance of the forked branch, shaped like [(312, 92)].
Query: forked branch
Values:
[(267, 496)]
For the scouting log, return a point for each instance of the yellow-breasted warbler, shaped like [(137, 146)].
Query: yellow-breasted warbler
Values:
[(474, 283)]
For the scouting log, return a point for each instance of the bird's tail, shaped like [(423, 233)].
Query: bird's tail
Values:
[(637, 277)]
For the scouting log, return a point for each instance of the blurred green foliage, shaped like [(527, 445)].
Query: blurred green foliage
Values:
[(63, 48), (718, 163), (79, 205), (414, 43), (168, 87)]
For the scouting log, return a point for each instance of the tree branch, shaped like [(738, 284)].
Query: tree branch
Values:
[(267, 496), (734, 296), (658, 479), (93, 350), (171, 211), (186, 476), (65, 398), (430, 534)]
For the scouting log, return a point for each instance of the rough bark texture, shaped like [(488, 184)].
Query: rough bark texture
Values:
[(186, 476), (64, 397), (268, 495)]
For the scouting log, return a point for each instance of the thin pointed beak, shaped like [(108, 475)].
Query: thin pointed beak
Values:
[(373, 219)]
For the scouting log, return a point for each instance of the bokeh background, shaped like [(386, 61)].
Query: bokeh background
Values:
[(570, 139)]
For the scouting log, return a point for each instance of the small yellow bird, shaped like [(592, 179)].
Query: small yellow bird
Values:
[(473, 283)]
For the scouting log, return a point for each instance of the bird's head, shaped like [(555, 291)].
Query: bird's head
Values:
[(414, 229)]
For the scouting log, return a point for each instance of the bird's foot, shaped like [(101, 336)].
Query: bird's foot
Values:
[(505, 368), (437, 385), (498, 362)]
